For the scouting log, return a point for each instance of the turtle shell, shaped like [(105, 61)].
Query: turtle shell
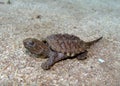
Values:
[(65, 43)]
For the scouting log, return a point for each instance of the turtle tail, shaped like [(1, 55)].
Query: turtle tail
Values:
[(88, 44)]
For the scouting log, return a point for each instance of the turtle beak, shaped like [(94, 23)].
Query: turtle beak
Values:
[(27, 42)]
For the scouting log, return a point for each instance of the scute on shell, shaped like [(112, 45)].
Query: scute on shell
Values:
[(65, 43)]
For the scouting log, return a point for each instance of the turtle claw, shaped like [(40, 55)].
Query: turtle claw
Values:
[(82, 56), (45, 66)]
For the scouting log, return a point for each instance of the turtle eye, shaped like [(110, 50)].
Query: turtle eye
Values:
[(31, 43)]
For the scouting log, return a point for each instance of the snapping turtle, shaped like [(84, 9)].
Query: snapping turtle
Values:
[(58, 47)]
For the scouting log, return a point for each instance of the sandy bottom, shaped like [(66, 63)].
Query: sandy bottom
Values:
[(87, 19)]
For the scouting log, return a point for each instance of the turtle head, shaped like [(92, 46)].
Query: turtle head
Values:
[(35, 46)]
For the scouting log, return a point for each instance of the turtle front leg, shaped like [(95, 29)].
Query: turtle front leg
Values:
[(82, 56), (53, 58)]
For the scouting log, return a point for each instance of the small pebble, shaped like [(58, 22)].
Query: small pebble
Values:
[(9, 2), (101, 60), (38, 16), (91, 66)]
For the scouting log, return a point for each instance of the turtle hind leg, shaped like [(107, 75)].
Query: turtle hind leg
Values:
[(82, 56), (54, 57)]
